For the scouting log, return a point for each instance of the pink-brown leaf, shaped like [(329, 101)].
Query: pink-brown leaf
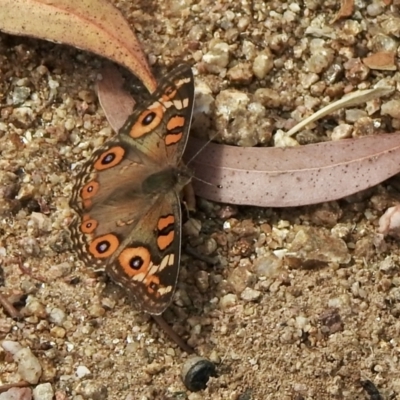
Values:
[(286, 177), (116, 103), (92, 25)]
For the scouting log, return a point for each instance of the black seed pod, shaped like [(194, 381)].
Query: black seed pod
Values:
[(196, 372)]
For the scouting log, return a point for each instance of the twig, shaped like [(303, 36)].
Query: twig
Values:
[(9, 308), (202, 257), (28, 272), (172, 334)]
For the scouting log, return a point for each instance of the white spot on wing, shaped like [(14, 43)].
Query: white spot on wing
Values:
[(164, 262), (164, 290), (166, 104), (153, 269), (156, 104), (185, 102), (139, 277), (178, 104), (181, 82)]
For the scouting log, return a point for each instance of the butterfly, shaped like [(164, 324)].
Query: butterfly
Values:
[(126, 197)]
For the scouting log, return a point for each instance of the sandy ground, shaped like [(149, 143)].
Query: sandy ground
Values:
[(303, 303)]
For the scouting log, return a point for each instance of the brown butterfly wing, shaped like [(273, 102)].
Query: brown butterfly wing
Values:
[(108, 201), (160, 128), (147, 262), (126, 196)]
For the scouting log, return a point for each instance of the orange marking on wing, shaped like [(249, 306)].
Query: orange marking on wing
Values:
[(163, 241), (110, 158), (164, 222), (175, 123), (87, 204), (135, 260), (169, 94), (148, 120), (90, 190), (174, 129), (172, 138), (152, 285), (88, 224), (104, 246)]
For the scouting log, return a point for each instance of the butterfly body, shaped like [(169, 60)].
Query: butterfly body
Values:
[(126, 196)]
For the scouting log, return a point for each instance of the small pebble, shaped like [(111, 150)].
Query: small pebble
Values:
[(227, 301), (93, 390), (5, 325), (391, 108), (41, 221), (57, 316), (240, 74), (214, 357), (268, 266), (43, 392), (20, 94), (262, 64), (96, 310), (58, 332), (29, 367), (250, 294), (218, 55), (155, 368), (11, 347), (342, 131), (209, 246), (34, 307), (82, 371), (192, 227), (202, 281), (195, 396), (17, 394), (59, 270), (240, 278)]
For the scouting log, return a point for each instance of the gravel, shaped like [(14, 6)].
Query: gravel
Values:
[(303, 302)]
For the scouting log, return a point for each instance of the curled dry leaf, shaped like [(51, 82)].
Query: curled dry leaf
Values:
[(389, 222), (92, 25), (278, 177), (118, 103)]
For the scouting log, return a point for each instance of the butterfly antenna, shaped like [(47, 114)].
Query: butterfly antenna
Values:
[(201, 149), (196, 154), (205, 182)]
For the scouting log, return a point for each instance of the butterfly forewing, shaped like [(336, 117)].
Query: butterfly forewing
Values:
[(167, 115)]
